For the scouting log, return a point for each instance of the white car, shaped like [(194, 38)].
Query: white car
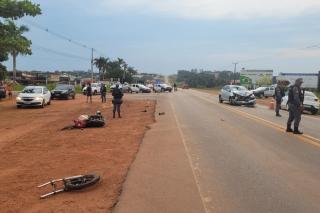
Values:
[(269, 91), (157, 88), (134, 88), (95, 88), (33, 96), (310, 104)]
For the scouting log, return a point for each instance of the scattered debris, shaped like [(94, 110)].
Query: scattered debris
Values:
[(70, 184), (222, 119), (162, 113), (144, 110)]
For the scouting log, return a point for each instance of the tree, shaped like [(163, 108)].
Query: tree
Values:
[(11, 39), (102, 65), (17, 44), (13, 9)]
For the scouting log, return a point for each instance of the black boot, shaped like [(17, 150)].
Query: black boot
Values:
[(114, 115), (296, 131), (289, 129), (278, 115), (119, 115)]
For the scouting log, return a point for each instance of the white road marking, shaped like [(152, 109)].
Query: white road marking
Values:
[(193, 168)]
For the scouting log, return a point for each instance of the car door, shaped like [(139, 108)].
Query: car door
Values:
[(46, 95), (225, 93)]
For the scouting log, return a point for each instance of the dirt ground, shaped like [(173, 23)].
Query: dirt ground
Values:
[(33, 150)]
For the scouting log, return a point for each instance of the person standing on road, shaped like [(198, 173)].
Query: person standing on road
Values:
[(278, 95), (103, 92), (295, 104), (117, 100), (89, 93)]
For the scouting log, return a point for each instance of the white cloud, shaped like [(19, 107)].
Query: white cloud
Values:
[(211, 9)]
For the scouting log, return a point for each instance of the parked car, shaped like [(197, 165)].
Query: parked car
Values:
[(144, 89), (237, 95), (157, 88), (259, 92), (63, 91), (165, 87), (95, 88), (33, 96), (3, 92), (126, 87), (134, 88), (269, 91), (310, 104)]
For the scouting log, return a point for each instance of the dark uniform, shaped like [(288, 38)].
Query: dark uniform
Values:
[(117, 101), (295, 103), (89, 93), (103, 92), (279, 94)]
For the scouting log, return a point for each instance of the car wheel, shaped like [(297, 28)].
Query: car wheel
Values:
[(313, 112), (231, 101), (95, 92), (19, 106), (49, 102), (220, 100), (74, 97)]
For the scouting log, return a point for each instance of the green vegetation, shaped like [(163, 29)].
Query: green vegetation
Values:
[(117, 69), (11, 39), (205, 79)]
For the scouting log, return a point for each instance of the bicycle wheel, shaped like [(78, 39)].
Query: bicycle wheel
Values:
[(81, 182)]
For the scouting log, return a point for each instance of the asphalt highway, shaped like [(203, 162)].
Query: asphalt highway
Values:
[(244, 160), (240, 159)]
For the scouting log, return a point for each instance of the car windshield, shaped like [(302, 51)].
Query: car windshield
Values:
[(32, 90), (62, 87), (239, 88), (309, 94)]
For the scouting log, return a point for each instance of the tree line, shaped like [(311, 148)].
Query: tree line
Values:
[(12, 40), (114, 69), (205, 79)]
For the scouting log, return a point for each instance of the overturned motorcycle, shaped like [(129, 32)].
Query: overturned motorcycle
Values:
[(87, 121), (68, 184)]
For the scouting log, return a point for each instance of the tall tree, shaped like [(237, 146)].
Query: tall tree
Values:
[(13, 10), (102, 64), (17, 44)]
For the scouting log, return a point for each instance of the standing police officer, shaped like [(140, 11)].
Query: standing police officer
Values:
[(117, 100), (278, 95), (295, 103)]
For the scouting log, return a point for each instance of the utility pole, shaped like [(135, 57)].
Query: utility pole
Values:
[(234, 73), (91, 65)]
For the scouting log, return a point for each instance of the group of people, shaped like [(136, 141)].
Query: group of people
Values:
[(8, 87), (117, 95), (295, 104)]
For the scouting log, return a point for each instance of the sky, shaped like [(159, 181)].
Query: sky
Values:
[(163, 36)]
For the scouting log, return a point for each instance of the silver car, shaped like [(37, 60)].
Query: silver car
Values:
[(237, 95)]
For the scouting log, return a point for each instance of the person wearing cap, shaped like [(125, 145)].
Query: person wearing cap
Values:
[(295, 103), (278, 95), (117, 100)]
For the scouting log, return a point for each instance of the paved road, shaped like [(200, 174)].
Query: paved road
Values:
[(246, 164), (241, 158)]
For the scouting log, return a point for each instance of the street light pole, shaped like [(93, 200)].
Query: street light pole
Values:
[(91, 65), (234, 72)]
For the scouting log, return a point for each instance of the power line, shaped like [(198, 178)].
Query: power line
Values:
[(61, 36), (60, 53)]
